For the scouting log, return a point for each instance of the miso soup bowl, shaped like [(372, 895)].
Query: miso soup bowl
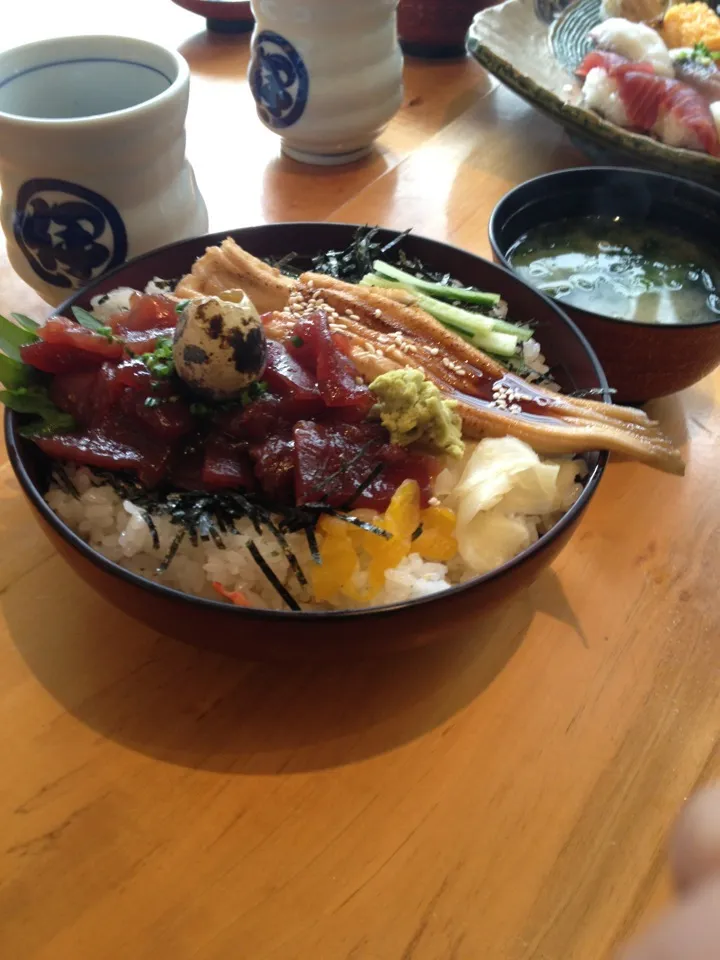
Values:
[(273, 634), (641, 361)]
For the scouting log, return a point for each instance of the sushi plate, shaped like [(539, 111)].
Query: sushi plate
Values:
[(533, 47)]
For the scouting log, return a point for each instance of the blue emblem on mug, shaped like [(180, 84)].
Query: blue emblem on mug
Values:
[(70, 235), (278, 79)]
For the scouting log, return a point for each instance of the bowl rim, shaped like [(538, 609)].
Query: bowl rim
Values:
[(17, 461), (499, 217)]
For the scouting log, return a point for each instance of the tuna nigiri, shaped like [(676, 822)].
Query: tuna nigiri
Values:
[(632, 95)]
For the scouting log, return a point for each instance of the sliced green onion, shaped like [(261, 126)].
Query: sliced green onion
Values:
[(476, 297)]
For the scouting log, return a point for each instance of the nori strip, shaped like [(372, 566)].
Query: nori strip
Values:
[(270, 575), (174, 547)]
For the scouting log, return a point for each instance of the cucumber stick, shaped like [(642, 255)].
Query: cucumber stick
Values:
[(476, 297)]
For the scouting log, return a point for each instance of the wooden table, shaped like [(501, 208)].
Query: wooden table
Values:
[(506, 797)]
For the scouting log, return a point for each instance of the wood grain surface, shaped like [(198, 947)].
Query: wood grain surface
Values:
[(505, 797)]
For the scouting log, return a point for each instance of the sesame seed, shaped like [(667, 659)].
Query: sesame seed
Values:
[(377, 313)]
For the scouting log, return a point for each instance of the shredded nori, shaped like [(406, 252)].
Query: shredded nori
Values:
[(174, 547), (417, 532), (60, 476), (350, 264), (369, 479), (270, 575), (211, 516)]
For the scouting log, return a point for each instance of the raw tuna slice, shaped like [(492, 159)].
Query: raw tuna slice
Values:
[(337, 377), (226, 465), (120, 443), (55, 358), (332, 461), (148, 319), (146, 313), (89, 397), (274, 463), (63, 332), (287, 378)]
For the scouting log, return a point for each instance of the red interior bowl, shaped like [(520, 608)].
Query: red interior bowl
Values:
[(641, 360), (266, 634)]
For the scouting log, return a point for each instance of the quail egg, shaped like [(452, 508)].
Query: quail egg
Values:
[(219, 346)]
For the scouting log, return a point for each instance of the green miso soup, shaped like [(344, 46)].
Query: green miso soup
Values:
[(622, 269)]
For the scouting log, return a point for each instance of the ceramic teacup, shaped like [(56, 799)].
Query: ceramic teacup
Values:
[(92, 157), (326, 74)]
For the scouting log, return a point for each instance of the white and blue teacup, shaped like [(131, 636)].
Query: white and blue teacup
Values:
[(92, 157), (326, 75)]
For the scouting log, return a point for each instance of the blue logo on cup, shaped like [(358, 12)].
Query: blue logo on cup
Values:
[(69, 234), (278, 79)]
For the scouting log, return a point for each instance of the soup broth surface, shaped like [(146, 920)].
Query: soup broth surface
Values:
[(630, 271)]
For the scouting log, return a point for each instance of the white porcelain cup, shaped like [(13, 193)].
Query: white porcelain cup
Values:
[(326, 75), (92, 157)]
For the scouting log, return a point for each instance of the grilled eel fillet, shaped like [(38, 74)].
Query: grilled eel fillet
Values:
[(229, 267), (384, 333)]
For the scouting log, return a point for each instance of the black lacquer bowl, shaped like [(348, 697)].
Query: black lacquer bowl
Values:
[(266, 634)]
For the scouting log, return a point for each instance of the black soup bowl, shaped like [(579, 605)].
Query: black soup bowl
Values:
[(641, 360), (267, 634)]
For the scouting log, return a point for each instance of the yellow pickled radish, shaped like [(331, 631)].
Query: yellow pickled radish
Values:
[(437, 541), (339, 560), (403, 513), (389, 556)]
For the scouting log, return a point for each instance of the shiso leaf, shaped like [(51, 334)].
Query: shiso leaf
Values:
[(12, 337), (27, 323), (87, 320), (14, 374), (36, 400)]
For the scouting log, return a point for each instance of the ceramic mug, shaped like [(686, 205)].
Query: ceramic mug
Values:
[(92, 157), (326, 75)]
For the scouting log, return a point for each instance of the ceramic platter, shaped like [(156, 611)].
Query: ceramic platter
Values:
[(533, 47)]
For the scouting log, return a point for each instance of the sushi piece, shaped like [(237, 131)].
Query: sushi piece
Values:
[(673, 111), (699, 73), (636, 11), (635, 41), (632, 96)]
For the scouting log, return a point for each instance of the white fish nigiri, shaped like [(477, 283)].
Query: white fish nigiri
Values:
[(636, 41)]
